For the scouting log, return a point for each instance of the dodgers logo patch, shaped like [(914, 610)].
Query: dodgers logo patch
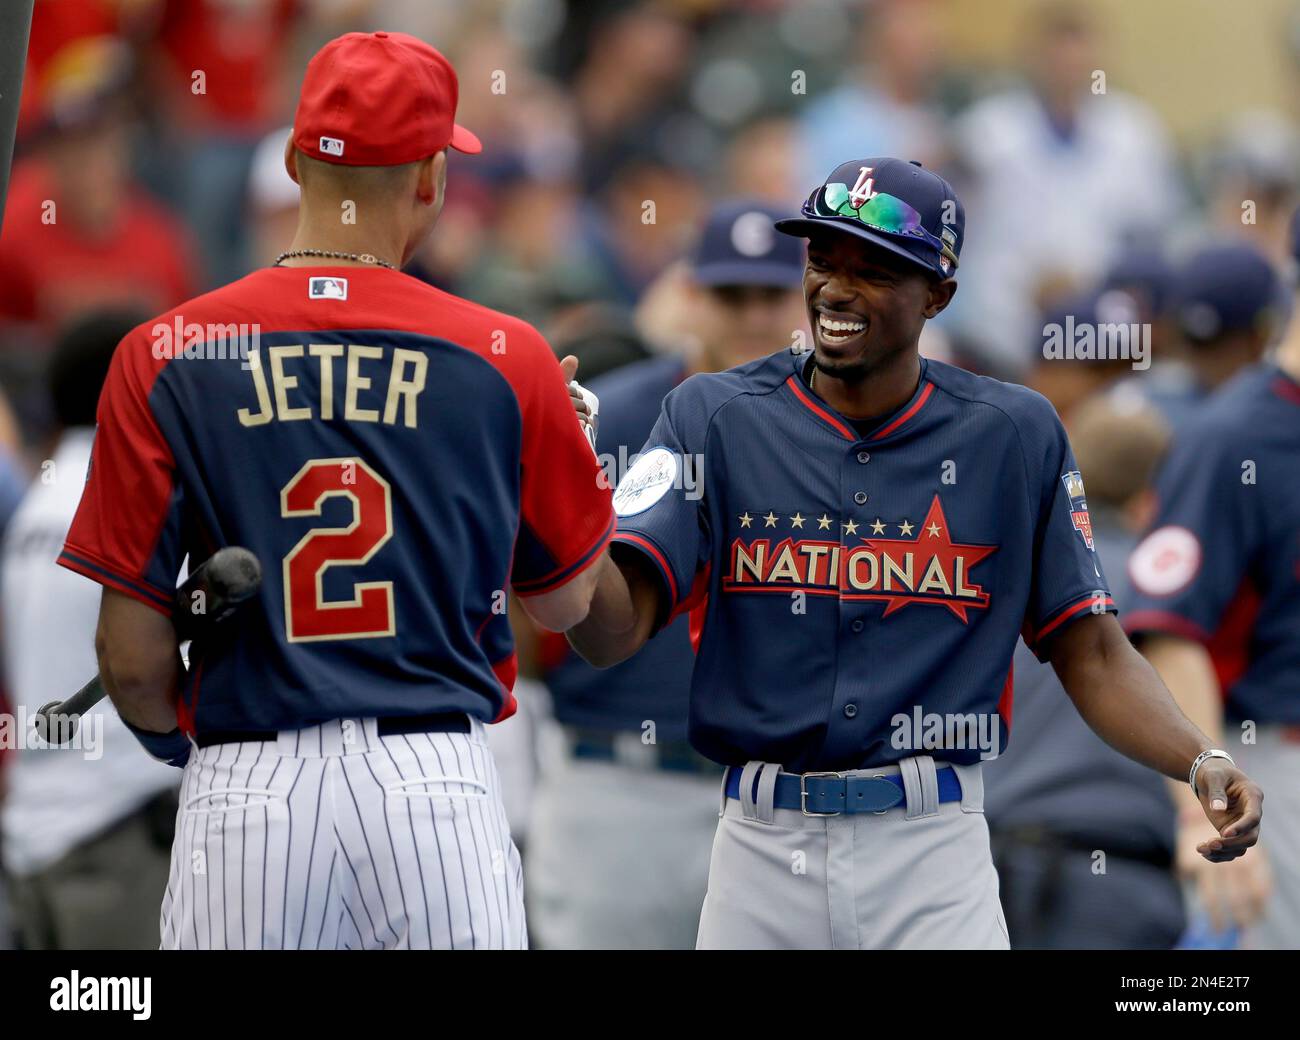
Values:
[(646, 482), (327, 289), (1079, 517)]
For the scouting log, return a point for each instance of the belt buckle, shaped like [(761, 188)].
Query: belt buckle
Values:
[(803, 792)]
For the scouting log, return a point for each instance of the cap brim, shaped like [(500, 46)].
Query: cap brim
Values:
[(805, 227), (465, 141), (759, 274)]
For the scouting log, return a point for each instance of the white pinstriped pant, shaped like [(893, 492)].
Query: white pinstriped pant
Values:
[(333, 837)]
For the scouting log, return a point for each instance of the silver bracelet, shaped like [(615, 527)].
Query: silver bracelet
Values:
[(1200, 760)]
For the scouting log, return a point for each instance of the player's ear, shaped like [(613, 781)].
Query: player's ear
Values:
[(941, 294), (432, 179), (291, 161)]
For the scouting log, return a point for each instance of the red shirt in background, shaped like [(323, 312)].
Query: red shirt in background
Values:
[(50, 273), (55, 24), (240, 48)]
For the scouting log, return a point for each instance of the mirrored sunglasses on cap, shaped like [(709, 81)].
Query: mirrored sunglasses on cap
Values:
[(881, 212)]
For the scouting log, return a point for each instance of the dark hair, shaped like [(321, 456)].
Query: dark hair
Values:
[(79, 364)]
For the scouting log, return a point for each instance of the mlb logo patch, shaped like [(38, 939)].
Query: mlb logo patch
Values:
[(331, 146), (1079, 517), (327, 289)]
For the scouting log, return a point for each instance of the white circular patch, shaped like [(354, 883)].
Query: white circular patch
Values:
[(646, 482), (752, 234), (1165, 562)]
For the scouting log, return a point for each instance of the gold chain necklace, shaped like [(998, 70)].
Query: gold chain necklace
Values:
[(360, 258)]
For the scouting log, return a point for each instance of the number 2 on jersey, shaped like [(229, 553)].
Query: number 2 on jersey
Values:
[(308, 615)]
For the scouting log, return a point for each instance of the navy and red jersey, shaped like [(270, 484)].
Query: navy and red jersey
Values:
[(653, 684), (395, 457), (1221, 564), (857, 582)]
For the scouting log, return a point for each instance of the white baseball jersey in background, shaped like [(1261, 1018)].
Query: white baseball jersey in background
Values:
[(60, 797), (332, 837)]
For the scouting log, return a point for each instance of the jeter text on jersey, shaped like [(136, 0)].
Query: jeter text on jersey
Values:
[(344, 370)]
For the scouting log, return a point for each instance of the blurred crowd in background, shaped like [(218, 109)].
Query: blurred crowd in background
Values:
[(149, 167)]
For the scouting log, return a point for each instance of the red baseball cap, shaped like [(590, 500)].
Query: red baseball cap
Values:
[(379, 99)]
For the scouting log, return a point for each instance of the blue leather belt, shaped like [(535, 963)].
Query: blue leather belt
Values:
[(830, 794)]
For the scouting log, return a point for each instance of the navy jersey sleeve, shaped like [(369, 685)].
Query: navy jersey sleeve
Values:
[(660, 501), (1067, 580), (1191, 565)]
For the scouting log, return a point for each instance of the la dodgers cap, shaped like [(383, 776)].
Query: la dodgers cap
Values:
[(892, 203), (379, 99), (739, 246)]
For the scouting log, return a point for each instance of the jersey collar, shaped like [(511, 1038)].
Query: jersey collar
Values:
[(828, 416), (1285, 386)]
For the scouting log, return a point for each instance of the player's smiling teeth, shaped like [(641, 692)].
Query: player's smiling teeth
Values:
[(835, 328)]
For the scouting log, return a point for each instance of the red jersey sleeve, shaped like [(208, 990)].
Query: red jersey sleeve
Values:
[(125, 533), (566, 514)]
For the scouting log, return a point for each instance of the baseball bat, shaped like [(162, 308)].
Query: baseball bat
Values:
[(15, 28), (210, 595)]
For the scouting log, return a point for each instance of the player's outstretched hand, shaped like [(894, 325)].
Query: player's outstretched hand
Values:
[(584, 402), (1234, 804)]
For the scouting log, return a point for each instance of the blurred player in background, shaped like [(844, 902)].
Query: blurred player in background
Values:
[(1223, 309), (1083, 837), (889, 95), (626, 809), (1057, 173), (87, 830), (272, 202), (1251, 179), (80, 232), (1070, 381), (1217, 611)]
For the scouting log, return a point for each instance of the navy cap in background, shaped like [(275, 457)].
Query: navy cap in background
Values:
[(1223, 288), (1146, 273), (740, 246), (919, 217)]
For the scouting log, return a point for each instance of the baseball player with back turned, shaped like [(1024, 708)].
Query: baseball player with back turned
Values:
[(875, 532), (396, 458)]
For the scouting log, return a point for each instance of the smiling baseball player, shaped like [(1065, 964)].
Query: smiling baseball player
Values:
[(396, 458), (876, 531)]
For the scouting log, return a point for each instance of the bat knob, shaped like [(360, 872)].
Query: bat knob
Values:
[(55, 727)]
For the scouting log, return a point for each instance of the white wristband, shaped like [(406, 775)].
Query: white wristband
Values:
[(1200, 760)]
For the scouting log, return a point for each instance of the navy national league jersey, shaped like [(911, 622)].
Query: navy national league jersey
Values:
[(852, 580), (395, 457), (653, 684), (1221, 564)]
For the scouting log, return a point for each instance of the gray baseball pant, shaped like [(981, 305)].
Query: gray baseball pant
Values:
[(918, 876)]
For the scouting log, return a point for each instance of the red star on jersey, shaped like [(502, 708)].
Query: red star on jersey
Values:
[(940, 564)]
